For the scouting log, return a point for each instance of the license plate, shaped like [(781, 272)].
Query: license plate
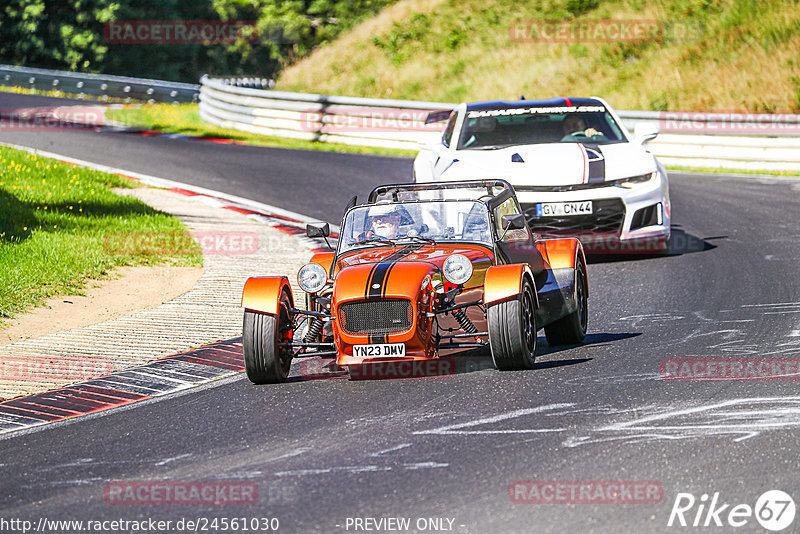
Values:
[(561, 209), (391, 350)]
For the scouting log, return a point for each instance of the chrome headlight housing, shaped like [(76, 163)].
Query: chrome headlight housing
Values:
[(457, 269), (312, 277)]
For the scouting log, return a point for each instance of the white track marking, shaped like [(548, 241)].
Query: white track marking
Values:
[(328, 470), (458, 428), (397, 448), (425, 465), (165, 461), (291, 454)]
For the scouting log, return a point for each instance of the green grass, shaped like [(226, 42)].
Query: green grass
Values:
[(721, 55), (185, 119), (61, 225), (731, 171)]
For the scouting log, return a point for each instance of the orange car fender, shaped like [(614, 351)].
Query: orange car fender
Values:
[(504, 282), (263, 293), (325, 259), (562, 253)]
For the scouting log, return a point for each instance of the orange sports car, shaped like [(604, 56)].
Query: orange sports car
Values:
[(421, 270)]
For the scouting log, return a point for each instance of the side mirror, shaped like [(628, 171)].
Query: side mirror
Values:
[(514, 221), (318, 231), (644, 132)]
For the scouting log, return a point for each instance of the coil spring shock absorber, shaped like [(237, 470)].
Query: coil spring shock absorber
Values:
[(314, 328), (464, 321)]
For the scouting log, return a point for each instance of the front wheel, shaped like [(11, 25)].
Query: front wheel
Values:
[(512, 331), (265, 361), (571, 330)]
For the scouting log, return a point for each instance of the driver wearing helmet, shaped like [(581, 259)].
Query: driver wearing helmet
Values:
[(384, 221)]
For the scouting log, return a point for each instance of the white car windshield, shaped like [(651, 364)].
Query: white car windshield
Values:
[(499, 128), (439, 221)]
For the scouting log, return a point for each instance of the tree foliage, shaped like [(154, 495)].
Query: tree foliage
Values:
[(68, 35)]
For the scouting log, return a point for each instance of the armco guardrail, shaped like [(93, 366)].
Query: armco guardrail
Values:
[(720, 140), (103, 86), (347, 120)]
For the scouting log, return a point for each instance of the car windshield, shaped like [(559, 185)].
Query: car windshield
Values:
[(498, 128), (437, 221)]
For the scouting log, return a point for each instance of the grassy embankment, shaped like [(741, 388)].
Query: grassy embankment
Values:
[(725, 55), (61, 225)]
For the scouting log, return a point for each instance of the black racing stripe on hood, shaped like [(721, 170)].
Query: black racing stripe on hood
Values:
[(377, 282), (369, 280), (597, 162)]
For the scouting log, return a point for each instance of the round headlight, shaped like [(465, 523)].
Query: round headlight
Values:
[(457, 269), (312, 277)]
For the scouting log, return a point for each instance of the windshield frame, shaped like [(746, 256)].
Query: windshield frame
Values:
[(406, 240), (607, 116)]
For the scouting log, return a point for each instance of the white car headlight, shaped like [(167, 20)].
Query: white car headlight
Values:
[(640, 179), (457, 269), (312, 277)]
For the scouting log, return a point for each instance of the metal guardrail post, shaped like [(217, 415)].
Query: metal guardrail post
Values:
[(102, 86)]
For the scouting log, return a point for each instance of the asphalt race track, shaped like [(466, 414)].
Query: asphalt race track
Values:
[(322, 451)]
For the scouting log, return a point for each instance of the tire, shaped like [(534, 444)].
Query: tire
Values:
[(571, 330), (512, 331), (264, 362)]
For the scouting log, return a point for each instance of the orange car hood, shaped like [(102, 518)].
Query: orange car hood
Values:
[(434, 254)]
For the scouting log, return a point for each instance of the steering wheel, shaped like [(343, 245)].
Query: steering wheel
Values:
[(579, 133)]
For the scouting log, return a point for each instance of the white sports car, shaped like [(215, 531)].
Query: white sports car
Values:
[(576, 169)]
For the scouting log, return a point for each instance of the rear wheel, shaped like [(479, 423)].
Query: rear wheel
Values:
[(571, 330), (512, 331), (264, 360)]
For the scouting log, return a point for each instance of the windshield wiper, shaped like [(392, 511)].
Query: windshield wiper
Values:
[(374, 241), (425, 239)]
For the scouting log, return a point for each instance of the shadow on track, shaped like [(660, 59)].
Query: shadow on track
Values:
[(441, 368), (681, 243), (598, 339)]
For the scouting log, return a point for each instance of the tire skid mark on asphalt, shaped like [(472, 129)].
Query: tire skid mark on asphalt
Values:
[(777, 308), (161, 377), (742, 419), (724, 334), (739, 419)]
